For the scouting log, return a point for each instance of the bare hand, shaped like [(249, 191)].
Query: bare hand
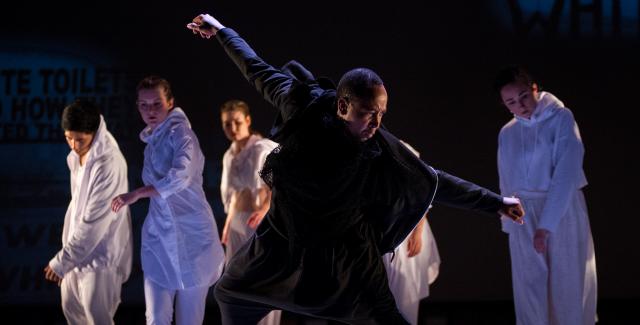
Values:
[(414, 245), (540, 240), (52, 276), (123, 199), (205, 25), (513, 210), (255, 218)]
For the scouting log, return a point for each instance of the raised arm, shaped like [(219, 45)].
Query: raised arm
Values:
[(274, 85)]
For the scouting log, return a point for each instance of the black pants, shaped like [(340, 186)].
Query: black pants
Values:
[(237, 311), (346, 282)]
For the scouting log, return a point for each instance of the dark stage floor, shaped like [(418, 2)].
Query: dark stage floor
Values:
[(432, 313)]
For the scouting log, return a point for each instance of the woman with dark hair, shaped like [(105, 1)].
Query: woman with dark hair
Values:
[(97, 245), (181, 252), (540, 161), (244, 194)]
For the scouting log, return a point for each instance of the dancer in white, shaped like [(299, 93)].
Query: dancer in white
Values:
[(244, 194), (412, 267), (181, 251), (540, 161), (95, 258)]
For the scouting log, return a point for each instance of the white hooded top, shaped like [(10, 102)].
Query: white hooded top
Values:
[(94, 237), (180, 244), (544, 155)]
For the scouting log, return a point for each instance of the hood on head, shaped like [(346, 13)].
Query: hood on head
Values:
[(101, 145)]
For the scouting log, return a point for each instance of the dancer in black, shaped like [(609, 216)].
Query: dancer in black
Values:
[(344, 192)]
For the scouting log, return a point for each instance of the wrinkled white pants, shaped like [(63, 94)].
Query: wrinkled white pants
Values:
[(90, 297), (558, 287), (189, 304)]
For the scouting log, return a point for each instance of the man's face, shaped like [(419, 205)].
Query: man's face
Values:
[(79, 142), (520, 98), (236, 125), (154, 106), (364, 115)]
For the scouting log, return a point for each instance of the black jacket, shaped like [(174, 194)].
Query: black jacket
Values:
[(305, 117), (337, 204)]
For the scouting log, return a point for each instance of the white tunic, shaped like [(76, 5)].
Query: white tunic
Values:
[(239, 187), (93, 236), (180, 244), (540, 161), (410, 277)]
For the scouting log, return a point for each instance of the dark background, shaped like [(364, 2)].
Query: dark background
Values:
[(437, 59)]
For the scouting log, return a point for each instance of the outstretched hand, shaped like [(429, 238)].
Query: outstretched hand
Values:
[(512, 209), (205, 25)]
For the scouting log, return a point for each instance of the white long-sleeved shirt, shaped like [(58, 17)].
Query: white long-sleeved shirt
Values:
[(94, 236), (543, 154), (180, 243)]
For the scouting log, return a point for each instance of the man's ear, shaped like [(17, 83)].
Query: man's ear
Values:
[(343, 106)]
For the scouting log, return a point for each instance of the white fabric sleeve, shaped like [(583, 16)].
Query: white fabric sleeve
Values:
[(505, 222), (180, 174), (501, 165), (225, 192), (95, 222), (568, 155)]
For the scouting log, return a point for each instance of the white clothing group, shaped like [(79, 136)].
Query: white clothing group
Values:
[(539, 161)]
